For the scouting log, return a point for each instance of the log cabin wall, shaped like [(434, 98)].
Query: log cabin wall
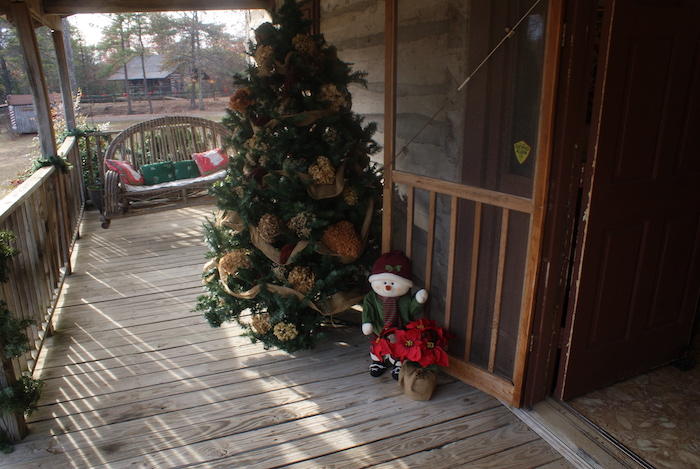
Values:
[(356, 28)]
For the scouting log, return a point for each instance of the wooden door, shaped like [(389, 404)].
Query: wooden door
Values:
[(464, 192), (637, 268)]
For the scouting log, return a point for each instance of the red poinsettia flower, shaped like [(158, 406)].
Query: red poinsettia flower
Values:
[(380, 345), (433, 354), (408, 345), (423, 325), (432, 342)]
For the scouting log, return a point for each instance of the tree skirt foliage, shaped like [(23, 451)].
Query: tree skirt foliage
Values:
[(298, 226)]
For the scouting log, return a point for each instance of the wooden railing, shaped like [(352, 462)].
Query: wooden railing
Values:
[(44, 214)]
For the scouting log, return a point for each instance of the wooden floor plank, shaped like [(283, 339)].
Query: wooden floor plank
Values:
[(135, 378)]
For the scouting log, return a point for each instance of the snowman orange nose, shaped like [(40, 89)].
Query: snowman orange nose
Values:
[(387, 287)]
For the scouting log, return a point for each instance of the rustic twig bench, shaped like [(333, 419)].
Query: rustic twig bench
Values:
[(149, 148)]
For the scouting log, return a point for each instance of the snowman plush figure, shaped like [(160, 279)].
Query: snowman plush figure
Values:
[(389, 305)]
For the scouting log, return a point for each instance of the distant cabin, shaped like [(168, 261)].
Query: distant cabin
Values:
[(160, 80), (22, 113)]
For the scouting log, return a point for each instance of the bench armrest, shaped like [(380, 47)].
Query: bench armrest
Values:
[(112, 189)]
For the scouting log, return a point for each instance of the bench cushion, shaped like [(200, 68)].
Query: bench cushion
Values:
[(186, 169), (210, 161), (156, 173), (129, 189)]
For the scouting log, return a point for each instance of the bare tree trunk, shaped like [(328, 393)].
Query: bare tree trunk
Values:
[(145, 84), (143, 65), (197, 54), (126, 79)]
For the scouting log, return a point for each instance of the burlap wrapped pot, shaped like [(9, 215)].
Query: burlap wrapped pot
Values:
[(417, 382)]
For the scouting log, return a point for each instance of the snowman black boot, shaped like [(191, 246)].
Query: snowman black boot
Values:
[(376, 369)]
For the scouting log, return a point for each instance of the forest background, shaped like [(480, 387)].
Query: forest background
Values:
[(189, 42)]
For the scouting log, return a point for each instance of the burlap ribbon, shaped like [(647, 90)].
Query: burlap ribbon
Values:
[(316, 191), (325, 191), (336, 303), (230, 219), (233, 220), (270, 251)]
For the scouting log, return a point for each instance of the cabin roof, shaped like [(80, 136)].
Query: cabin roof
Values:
[(153, 64)]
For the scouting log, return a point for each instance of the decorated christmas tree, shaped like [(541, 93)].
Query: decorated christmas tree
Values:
[(298, 225)]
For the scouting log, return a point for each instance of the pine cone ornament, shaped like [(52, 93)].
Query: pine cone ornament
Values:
[(241, 100), (342, 239), (299, 224), (331, 95), (302, 279), (285, 331), (232, 261), (322, 172), (330, 135), (270, 227), (280, 272), (261, 323), (306, 46), (349, 196)]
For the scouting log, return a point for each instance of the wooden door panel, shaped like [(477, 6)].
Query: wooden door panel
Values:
[(621, 252), (672, 292), (637, 155), (637, 284), (688, 122)]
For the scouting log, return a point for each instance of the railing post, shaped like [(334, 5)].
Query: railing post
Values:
[(13, 425)]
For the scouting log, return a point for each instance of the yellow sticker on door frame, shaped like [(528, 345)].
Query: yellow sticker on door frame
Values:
[(522, 151)]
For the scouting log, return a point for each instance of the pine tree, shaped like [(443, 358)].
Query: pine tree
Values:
[(299, 221)]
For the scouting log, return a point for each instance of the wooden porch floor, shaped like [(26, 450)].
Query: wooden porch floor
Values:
[(134, 378)]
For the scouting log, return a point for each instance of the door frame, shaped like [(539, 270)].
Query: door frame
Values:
[(563, 205)]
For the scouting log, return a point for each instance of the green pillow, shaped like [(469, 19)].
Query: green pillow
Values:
[(156, 173), (186, 169)]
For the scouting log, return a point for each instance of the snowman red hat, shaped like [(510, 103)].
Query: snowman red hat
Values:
[(393, 267)]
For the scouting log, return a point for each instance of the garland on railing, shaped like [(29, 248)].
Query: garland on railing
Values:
[(23, 396), (80, 132), (6, 252), (14, 341), (60, 163)]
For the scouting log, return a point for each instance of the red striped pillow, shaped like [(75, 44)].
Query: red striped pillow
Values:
[(126, 171)]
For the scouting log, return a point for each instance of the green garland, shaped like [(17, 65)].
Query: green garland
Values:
[(22, 397), (60, 163), (6, 252), (15, 341)]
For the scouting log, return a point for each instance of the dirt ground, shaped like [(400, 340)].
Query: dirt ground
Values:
[(18, 151)]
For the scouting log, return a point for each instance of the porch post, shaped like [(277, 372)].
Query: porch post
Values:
[(64, 78), (389, 120), (22, 17)]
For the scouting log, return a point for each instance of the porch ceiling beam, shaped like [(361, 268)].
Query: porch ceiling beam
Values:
[(38, 16), (70, 7)]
